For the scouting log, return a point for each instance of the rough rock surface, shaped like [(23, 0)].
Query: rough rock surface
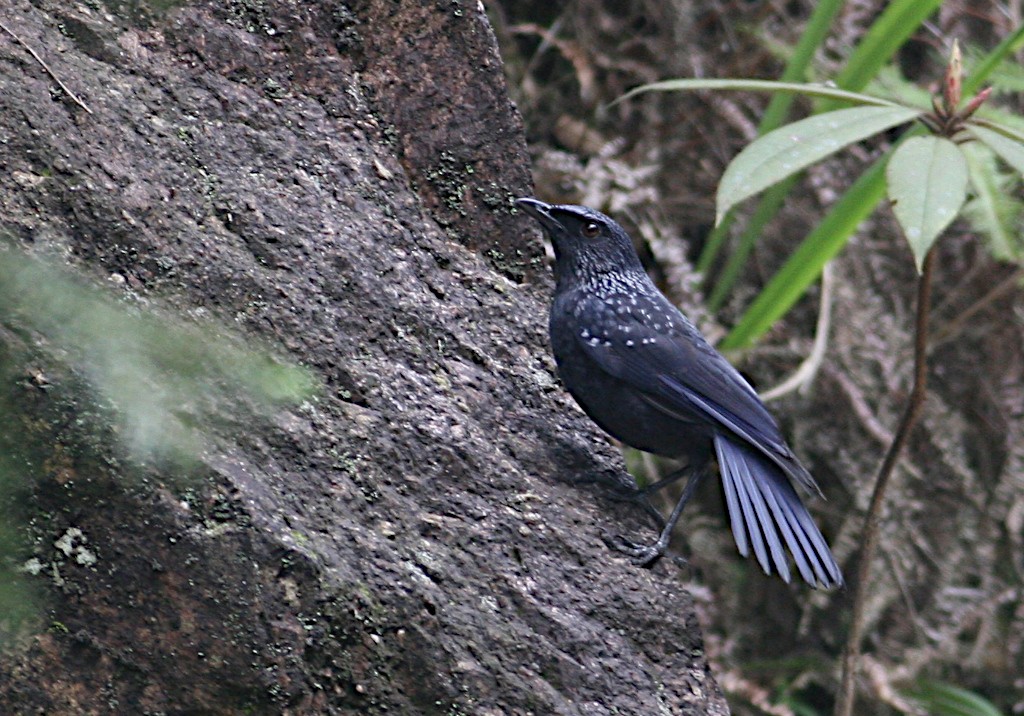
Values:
[(335, 178)]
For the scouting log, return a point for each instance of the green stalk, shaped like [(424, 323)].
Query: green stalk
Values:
[(1007, 47), (767, 207), (806, 263)]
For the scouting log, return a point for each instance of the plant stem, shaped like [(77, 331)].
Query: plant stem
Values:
[(851, 655)]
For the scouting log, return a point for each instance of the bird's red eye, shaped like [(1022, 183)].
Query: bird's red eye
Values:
[(591, 230)]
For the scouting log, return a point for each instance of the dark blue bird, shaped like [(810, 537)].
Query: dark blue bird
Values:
[(647, 376)]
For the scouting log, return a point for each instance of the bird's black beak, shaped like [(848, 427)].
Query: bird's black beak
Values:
[(542, 213)]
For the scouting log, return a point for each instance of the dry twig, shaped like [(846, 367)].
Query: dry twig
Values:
[(42, 63), (803, 377)]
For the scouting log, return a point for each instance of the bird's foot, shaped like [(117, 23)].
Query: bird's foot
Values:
[(640, 555)]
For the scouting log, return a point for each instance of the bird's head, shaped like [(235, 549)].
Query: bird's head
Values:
[(588, 244)]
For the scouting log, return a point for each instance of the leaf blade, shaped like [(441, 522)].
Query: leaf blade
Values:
[(993, 208), (927, 180), (944, 699), (785, 151), (805, 264), (887, 34), (1009, 149), (807, 89), (796, 68)]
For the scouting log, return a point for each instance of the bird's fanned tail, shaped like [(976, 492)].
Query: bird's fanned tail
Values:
[(766, 513)]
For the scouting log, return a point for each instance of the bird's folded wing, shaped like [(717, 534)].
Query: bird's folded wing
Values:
[(682, 375)]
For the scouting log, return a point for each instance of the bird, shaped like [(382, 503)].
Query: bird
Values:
[(647, 376)]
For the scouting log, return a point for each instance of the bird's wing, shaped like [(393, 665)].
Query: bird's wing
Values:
[(682, 375)]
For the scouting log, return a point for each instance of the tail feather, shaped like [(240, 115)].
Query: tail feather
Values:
[(739, 534), (755, 512), (825, 564), (764, 509), (795, 532)]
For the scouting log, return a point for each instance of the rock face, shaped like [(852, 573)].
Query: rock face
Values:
[(337, 180)]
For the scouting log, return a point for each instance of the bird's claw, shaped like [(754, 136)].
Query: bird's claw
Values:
[(640, 555)]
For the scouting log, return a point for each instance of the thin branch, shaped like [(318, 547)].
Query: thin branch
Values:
[(851, 655), (46, 67)]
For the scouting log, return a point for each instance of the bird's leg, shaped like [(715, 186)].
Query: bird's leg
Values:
[(640, 496), (664, 482), (643, 555)]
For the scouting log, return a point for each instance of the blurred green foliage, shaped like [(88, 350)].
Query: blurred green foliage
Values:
[(158, 385), (939, 698)]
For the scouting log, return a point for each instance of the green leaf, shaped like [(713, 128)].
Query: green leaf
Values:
[(766, 210), (888, 33), (809, 90), (169, 381), (1009, 149), (811, 39), (927, 179), (1000, 121), (1007, 78), (891, 84), (942, 699), (993, 209), (775, 114), (789, 149), (805, 265), (981, 73)]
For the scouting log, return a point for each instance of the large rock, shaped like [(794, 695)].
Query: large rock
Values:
[(337, 180)]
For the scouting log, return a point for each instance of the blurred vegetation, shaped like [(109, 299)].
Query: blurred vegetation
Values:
[(158, 385)]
